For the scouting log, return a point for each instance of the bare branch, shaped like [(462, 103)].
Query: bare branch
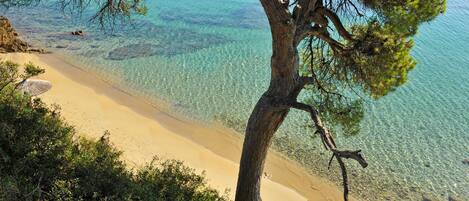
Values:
[(322, 130), (328, 141), (357, 11), (337, 22)]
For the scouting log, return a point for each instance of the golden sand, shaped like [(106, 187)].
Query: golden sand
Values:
[(142, 131)]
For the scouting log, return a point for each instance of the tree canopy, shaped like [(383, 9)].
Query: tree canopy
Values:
[(366, 56), (349, 50)]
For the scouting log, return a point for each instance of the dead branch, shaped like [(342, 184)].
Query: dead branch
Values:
[(329, 143)]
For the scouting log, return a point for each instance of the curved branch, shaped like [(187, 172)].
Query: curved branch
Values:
[(321, 129), (314, 81), (307, 30), (329, 143), (337, 23), (336, 45)]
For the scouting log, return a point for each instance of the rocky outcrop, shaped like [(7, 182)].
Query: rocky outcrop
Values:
[(9, 41)]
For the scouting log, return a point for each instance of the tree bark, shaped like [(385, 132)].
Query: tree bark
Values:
[(262, 124), (288, 30), (268, 115)]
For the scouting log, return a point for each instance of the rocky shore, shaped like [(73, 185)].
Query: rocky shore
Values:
[(9, 41)]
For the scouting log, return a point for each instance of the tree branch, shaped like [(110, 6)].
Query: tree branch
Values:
[(329, 143), (335, 45), (302, 9), (337, 22), (306, 31), (315, 81)]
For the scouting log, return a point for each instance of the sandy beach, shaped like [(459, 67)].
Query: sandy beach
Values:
[(142, 131)]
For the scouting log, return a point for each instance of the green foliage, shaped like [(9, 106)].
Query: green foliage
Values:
[(31, 70), (97, 171), (373, 63), (170, 180), (379, 60), (8, 73), (42, 159), (404, 16), (112, 10)]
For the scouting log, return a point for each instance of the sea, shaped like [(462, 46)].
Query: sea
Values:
[(208, 60)]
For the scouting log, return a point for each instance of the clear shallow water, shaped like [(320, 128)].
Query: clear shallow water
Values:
[(210, 61)]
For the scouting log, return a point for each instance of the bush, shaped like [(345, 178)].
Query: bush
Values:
[(42, 159)]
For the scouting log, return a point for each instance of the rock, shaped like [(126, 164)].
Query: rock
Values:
[(34, 87), (9, 41), (61, 46), (8, 38), (38, 50), (78, 33)]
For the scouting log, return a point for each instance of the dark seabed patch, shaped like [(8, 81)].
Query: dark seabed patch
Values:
[(158, 40), (248, 16), (181, 44), (168, 42), (132, 51)]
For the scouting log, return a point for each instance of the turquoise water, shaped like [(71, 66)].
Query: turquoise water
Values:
[(209, 60)]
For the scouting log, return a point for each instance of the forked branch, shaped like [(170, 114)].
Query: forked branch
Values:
[(329, 144)]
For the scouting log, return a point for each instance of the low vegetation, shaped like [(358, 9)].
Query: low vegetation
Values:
[(42, 158)]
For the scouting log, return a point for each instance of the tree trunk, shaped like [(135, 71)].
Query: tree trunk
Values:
[(267, 115)]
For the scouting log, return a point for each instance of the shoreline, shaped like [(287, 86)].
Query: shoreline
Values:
[(142, 130)]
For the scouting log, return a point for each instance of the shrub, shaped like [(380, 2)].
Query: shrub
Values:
[(42, 159)]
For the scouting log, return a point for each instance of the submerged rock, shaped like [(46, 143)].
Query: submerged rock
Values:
[(132, 51), (78, 33), (167, 47), (248, 16)]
